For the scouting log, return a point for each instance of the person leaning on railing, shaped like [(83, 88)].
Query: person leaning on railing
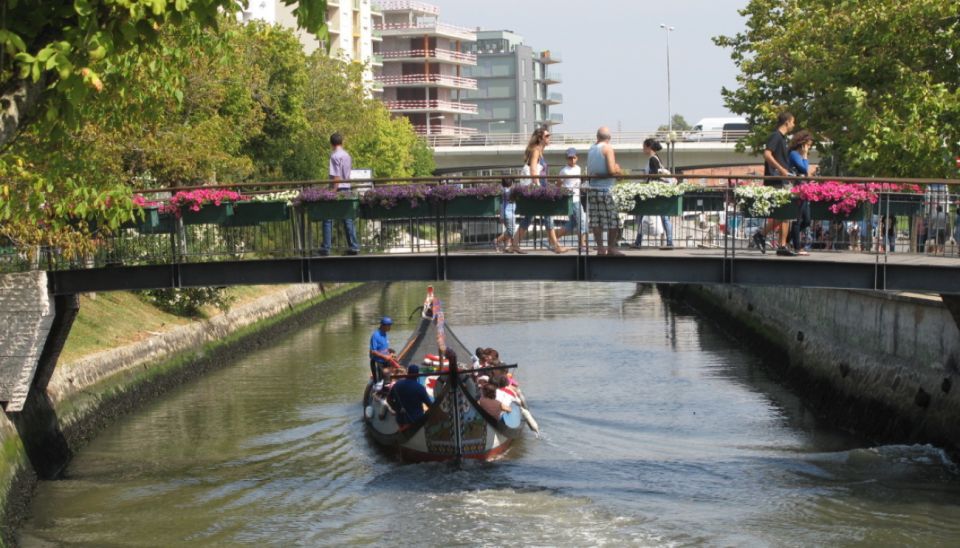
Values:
[(799, 164)]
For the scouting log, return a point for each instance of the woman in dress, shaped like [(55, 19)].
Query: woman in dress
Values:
[(535, 165)]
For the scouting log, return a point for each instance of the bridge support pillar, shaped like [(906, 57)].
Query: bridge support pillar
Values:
[(952, 302), (37, 422)]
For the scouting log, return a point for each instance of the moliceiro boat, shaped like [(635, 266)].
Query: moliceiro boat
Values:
[(455, 426)]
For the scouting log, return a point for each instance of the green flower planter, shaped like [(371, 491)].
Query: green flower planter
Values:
[(899, 204), (671, 206), (157, 223), (334, 209), (819, 211), (703, 201), (546, 208), (400, 211), (470, 206), (255, 213), (208, 215)]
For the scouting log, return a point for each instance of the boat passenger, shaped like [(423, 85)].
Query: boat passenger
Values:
[(506, 394), (412, 397), (380, 351), (489, 402)]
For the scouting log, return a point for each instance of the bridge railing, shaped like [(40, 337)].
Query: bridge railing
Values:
[(587, 138), (884, 218)]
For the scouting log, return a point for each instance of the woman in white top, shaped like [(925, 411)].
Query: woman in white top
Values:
[(535, 165)]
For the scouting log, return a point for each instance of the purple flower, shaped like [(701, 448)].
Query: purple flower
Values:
[(549, 193), (388, 196), (308, 195)]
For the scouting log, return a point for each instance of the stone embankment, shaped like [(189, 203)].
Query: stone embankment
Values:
[(88, 393), (883, 365)]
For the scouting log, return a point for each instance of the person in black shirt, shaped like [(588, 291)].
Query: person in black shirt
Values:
[(775, 161)]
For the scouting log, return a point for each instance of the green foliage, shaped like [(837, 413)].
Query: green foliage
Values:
[(878, 80), (679, 124), (187, 302)]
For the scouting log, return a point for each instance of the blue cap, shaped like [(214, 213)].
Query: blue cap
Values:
[(386, 321), (571, 152), (413, 369)]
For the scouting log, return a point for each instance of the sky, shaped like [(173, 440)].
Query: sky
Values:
[(614, 54)]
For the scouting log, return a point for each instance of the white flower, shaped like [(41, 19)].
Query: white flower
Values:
[(282, 196), (759, 201), (627, 193)]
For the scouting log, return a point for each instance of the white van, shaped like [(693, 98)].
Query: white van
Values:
[(726, 130)]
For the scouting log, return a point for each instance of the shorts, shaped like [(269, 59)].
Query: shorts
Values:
[(603, 211), (941, 235)]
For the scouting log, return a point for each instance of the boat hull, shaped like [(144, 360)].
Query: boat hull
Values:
[(440, 435)]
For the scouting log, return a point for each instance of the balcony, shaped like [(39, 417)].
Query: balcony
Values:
[(551, 99), (428, 80), (376, 60), (432, 105), (552, 119), (451, 56), (448, 131), (407, 5), (551, 78), (427, 28), (549, 57)]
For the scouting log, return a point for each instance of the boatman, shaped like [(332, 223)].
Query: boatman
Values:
[(380, 352)]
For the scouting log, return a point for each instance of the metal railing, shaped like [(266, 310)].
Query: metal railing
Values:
[(895, 223), (428, 79), (633, 138), (440, 132), (407, 5), (436, 53), (400, 29), (431, 105)]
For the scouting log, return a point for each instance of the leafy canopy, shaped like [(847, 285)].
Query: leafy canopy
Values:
[(878, 80)]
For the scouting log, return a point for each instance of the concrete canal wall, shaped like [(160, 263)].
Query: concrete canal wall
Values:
[(92, 391), (886, 366)]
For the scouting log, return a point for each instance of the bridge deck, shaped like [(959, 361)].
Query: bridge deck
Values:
[(824, 269)]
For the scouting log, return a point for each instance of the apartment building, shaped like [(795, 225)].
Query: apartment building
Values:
[(423, 67), (350, 24), (514, 82)]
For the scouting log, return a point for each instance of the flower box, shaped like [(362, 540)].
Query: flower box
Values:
[(154, 222), (703, 201), (547, 208), (664, 205), (402, 210), (254, 213), (332, 209), (819, 211), (470, 206), (899, 204), (209, 214)]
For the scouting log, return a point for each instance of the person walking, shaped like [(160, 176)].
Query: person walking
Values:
[(775, 162), (535, 165), (601, 209), (507, 217), (938, 230), (799, 162), (571, 181), (654, 166), (340, 166)]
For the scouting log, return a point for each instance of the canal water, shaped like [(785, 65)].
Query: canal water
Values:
[(658, 429)]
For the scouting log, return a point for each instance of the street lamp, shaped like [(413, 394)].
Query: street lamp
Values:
[(668, 29)]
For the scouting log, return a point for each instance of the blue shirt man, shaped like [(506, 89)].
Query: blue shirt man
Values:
[(380, 352), (411, 395), (340, 166)]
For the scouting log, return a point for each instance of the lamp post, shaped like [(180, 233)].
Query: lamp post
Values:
[(668, 29)]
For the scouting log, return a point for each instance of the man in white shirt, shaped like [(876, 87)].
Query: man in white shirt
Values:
[(571, 180)]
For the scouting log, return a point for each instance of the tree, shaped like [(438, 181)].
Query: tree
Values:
[(60, 48), (679, 124), (878, 80)]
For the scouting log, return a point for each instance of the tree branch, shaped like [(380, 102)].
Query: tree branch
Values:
[(19, 101)]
